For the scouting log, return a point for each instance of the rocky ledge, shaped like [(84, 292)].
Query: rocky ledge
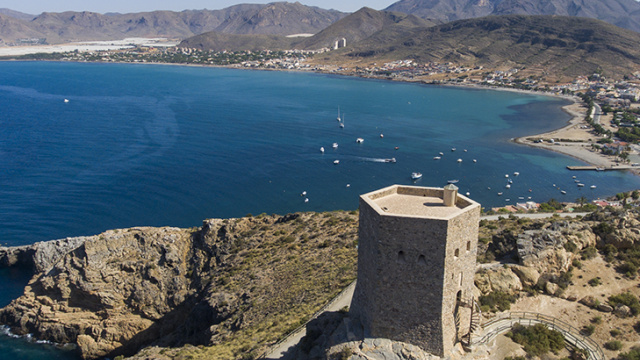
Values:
[(118, 292)]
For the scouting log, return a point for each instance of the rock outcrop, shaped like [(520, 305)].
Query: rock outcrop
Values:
[(115, 293), (40, 256)]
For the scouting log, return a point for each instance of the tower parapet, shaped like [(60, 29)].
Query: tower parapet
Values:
[(416, 262)]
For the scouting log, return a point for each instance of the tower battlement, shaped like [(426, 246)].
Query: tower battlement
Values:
[(416, 262)]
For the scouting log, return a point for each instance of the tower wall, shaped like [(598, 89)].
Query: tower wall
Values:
[(409, 273)]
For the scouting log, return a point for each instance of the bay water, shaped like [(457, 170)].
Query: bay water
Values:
[(90, 147)]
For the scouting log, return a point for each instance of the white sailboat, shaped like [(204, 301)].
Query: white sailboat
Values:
[(342, 122), (339, 118)]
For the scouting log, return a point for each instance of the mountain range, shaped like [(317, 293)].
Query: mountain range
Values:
[(284, 18), (280, 18), (622, 13)]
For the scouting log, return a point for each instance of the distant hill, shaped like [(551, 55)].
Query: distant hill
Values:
[(623, 13), (554, 44), (16, 14), (281, 18), (361, 25), (354, 28)]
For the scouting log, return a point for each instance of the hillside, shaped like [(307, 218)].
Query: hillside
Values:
[(361, 25), (216, 41), (559, 45), (281, 18), (622, 13), (233, 285), (16, 14), (354, 28)]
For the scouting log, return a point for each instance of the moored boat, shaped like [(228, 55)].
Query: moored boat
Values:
[(416, 175)]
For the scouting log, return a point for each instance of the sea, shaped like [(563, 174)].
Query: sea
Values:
[(86, 147)]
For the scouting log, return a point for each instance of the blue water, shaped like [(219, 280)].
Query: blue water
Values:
[(164, 145)]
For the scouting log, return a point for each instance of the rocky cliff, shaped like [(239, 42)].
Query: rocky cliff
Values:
[(218, 285)]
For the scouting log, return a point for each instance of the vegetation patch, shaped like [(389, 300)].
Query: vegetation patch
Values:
[(537, 340), (627, 299), (496, 301)]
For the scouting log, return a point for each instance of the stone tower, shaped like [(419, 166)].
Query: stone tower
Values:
[(416, 263)]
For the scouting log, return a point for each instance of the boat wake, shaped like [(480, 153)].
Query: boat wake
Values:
[(378, 160)]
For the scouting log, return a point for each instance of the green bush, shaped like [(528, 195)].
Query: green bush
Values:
[(633, 354), (613, 345), (537, 340), (497, 301), (595, 281), (588, 253), (615, 332), (588, 330), (626, 299)]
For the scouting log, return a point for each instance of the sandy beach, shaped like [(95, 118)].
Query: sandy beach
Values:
[(575, 139)]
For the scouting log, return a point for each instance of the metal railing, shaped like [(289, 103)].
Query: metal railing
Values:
[(572, 336)]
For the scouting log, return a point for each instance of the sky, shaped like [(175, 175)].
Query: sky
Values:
[(36, 7)]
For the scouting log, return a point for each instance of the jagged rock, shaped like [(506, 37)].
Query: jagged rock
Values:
[(551, 288), (622, 311), (528, 276), (589, 301), (41, 256), (500, 279), (605, 308), (544, 249)]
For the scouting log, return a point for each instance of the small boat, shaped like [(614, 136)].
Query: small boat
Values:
[(454, 181), (508, 186), (507, 199), (580, 185), (304, 193), (335, 145), (562, 192), (510, 181), (499, 194), (521, 197), (391, 160), (459, 160), (475, 161), (322, 149), (441, 153), (306, 200), (573, 177), (339, 118), (437, 158), (342, 122), (359, 140), (467, 193), (381, 136), (465, 150), (453, 149), (506, 175), (516, 173), (66, 100), (416, 175), (348, 185), (599, 169), (336, 162), (396, 148), (592, 186)]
